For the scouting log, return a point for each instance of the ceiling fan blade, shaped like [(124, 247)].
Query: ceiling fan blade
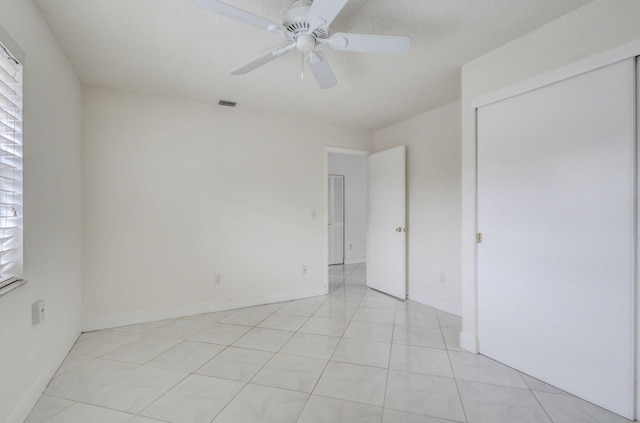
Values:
[(261, 60), (232, 12), (387, 44), (321, 70), (323, 12)]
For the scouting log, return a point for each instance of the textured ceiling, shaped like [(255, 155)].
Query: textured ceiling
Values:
[(171, 48)]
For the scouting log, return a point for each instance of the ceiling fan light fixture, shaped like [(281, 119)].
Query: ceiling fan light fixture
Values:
[(305, 43)]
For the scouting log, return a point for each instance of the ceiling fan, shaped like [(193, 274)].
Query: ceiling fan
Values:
[(305, 26)]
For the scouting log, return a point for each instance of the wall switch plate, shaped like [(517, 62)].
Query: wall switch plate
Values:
[(218, 280), (38, 311)]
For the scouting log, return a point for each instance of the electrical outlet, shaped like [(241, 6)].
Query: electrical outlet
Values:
[(218, 280), (38, 311), (305, 269), (443, 278)]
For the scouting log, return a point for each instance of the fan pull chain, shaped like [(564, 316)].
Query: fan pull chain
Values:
[(302, 67)]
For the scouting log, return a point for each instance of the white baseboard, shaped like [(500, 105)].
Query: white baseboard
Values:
[(31, 397), (355, 260), (133, 318), (469, 342), (436, 303)]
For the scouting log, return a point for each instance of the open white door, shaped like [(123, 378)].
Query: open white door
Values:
[(386, 227)]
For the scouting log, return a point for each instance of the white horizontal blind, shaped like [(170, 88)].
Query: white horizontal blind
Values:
[(10, 168)]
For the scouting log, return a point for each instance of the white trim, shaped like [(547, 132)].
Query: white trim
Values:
[(12, 46), (435, 302), (637, 245), (31, 397), (349, 151), (355, 260), (13, 285), (589, 64), (133, 318), (469, 342), (325, 220)]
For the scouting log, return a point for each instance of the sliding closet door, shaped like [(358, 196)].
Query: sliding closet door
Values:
[(556, 209)]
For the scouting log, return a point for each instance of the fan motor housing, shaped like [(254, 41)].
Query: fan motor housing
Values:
[(297, 12), (296, 23)]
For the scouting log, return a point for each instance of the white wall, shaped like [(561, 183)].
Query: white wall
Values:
[(354, 168), (177, 192), (52, 234), (595, 28), (433, 221)]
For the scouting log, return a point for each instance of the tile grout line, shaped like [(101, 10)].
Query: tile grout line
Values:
[(455, 380), (64, 409), (245, 383), (386, 384), (323, 369), (537, 399), (330, 359)]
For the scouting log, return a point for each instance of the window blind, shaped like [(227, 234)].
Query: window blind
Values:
[(10, 168)]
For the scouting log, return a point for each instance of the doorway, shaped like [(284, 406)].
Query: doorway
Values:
[(373, 192), (335, 219), (346, 176)]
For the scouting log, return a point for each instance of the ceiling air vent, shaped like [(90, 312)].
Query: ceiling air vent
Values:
[(227, 103)]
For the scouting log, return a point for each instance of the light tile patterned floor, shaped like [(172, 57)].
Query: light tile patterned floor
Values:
[(355, 355)]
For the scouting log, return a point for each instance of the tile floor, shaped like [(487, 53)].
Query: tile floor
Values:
[(355, 355)]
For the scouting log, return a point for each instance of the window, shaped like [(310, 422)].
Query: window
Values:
[(10, 171)]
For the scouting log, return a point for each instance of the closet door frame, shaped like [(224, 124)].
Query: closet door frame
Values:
[(469, 336)]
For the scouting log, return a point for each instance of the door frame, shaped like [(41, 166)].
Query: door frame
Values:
[(332, 150)]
